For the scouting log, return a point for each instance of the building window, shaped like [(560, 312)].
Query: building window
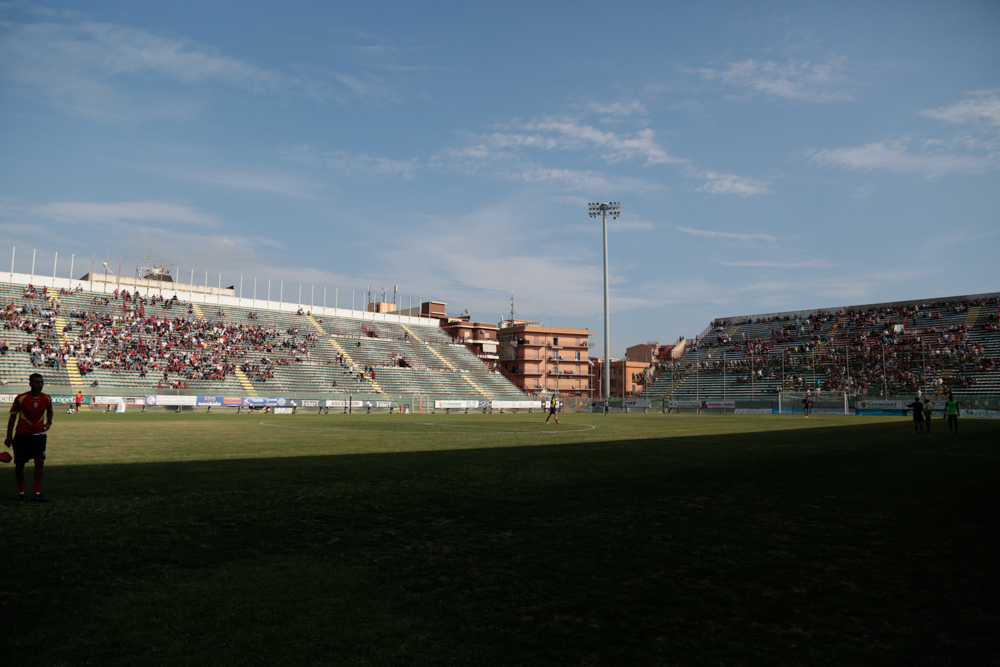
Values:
[(578, 356), (555, 341)]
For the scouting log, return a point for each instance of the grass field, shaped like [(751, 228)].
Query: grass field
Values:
[(498, 540)]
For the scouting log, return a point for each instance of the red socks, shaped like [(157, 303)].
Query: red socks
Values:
[(38, 486), (20, 487)]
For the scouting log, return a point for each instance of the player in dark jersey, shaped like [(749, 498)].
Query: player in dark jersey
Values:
[(32, 412), (552, 411)]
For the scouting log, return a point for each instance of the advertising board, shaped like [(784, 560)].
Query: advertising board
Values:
[(880, 405), (58, 400), (338, 403), (211, 401), (703, 405), (980, 414), (171, 401), (263, 401), (66, 400), (516, 405), (480, 405)]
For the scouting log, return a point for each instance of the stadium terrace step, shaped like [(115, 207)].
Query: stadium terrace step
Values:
[(475, 386), (245, 382), (75, 380), (438, 355), (410, 332)]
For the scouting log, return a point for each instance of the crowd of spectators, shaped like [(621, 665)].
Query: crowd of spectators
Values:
[(893, 350)]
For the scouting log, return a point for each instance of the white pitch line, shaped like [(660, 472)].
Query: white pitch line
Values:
[(476, 432)]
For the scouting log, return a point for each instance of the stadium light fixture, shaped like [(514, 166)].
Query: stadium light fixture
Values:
[(613, 209)]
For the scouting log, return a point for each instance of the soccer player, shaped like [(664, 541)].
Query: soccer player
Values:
[(79, 401), (951, 407), (552, 411), (928, 411), (607, 408), (918, 414), (32, 411)]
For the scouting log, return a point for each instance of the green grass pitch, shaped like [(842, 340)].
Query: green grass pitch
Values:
[(221, 539)]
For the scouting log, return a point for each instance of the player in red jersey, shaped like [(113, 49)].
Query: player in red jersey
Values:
[(32, 411)]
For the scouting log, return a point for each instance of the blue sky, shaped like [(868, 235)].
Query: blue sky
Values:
[(790, 155)]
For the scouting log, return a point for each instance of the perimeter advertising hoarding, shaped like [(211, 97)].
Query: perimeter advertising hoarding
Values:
[(67, 400), (980, 414), (115, 400), (264, 402), (703, 405), (59, 400), (171, 401), (354, 404), (474, 405), (880, 408)]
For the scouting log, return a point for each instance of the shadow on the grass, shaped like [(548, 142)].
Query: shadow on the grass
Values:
[(850, 544)]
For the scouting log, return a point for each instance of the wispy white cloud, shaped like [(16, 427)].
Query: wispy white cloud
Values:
[(573, 179), (796, 80), (612, 110), (77, 66), (806, 264), (464, 257), (895, 156), (117, 212), (521, 144), (354, 164), (99, 69), (717, 183), (727, 236), (983, 106), (615, 147), (275, 183)]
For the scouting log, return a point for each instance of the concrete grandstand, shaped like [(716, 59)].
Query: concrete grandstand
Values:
[(151, 338), (886, 349)]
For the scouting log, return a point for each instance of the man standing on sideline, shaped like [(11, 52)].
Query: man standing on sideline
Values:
[(552, 411), (918, 414), (607, 407), (928, 411), (32, 411), (951, 407), (79, 401)]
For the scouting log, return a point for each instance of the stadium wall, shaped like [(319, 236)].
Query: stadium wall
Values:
[(167, 290), (859, 307)]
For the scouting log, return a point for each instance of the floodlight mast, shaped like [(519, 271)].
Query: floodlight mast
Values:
[(613, 209)]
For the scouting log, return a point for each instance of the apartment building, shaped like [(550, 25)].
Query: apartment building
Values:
[(546, 359)]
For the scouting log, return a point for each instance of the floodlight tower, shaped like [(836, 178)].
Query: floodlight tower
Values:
[(613, 209)]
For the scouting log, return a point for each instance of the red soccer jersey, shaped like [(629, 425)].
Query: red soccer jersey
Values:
[(31, 412)]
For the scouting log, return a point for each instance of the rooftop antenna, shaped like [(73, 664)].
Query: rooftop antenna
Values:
[(513, 315)]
